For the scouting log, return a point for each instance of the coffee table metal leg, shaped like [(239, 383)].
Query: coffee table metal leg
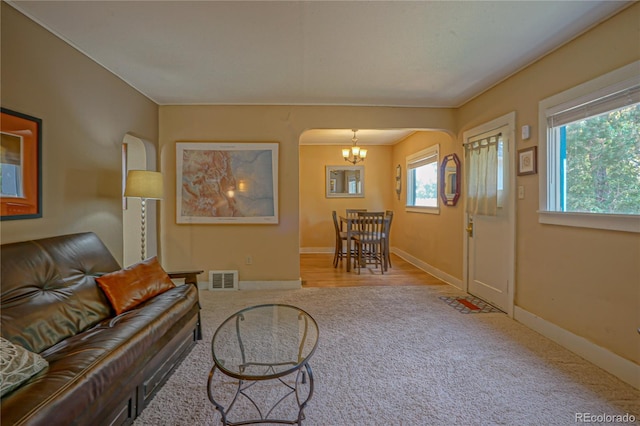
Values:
[(219, 407), (302, 405), (304, 375)]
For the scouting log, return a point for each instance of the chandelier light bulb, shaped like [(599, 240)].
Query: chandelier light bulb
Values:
[(355, 154)]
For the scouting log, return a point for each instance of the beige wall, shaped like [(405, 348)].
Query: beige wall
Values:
[(584, 280), (434, 239), (274, 248), (85, 112)]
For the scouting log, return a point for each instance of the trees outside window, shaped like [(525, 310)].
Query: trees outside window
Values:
[(600, 163)]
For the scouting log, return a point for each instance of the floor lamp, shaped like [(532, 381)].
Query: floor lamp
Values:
[(146, 185)]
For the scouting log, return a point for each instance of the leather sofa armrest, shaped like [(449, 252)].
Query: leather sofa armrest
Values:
[(190, 277)]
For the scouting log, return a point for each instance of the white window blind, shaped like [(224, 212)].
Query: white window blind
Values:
[(605, 100), (422, 161)]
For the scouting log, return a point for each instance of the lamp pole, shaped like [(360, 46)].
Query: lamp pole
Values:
[(143, 236)]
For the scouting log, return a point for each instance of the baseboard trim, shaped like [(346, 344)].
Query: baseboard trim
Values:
[(449, 279), (270, 285), (622, 368), (312, 250)]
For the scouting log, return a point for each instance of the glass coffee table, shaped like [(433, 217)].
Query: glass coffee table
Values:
[(260, 343)]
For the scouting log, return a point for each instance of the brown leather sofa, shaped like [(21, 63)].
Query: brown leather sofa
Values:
[(103, 368)]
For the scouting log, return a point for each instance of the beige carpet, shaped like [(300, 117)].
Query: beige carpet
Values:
[(401, 356)]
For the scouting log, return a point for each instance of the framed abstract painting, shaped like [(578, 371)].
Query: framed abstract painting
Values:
[(227, 182)]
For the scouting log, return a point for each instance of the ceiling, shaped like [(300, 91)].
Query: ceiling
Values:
[(344, 136), (365, 53)]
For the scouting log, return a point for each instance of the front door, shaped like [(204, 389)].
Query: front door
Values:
[(490, 240)]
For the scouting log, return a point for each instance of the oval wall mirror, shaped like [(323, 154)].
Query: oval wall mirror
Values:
[(450, 180)]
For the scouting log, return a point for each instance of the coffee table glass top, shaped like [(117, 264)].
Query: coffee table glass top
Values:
[(264, 342)]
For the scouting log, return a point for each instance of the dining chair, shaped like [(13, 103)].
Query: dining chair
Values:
[(354, 212), (387, 231), (339, 252), (370, 240)]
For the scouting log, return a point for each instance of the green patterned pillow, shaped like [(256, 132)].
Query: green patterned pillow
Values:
[(17, 365)]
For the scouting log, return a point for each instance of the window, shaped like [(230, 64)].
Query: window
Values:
[(593, 156), (11, 165), (422, 180)]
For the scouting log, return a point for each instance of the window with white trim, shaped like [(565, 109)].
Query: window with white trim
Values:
[(422, 180), (592, 152)]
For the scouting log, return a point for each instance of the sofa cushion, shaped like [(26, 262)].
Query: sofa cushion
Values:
[(129, 287), (49, 290), (17, 365)]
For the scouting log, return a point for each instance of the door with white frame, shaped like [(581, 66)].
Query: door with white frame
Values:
[(489, 244)]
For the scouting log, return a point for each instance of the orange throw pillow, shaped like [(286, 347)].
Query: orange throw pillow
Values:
[(129, 287)]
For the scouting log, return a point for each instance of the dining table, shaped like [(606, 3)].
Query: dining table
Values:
[(351, 225)]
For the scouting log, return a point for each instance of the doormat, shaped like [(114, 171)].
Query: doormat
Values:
[(469, 305)]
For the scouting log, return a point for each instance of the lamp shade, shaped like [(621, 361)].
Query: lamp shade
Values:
[(144, 184)]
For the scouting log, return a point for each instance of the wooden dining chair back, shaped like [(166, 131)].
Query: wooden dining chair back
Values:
[(340, 251), (387, 231), (370, 240), (352, 213)]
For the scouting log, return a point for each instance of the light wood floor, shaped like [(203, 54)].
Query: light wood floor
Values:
[(317, 270)]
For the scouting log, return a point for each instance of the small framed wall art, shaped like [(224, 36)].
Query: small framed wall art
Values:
[(528, 161), (20, 166), (398, 180)]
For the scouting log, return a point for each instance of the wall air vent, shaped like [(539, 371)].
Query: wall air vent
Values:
[(223, 280)]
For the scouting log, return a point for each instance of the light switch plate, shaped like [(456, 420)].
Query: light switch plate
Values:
[(526, 132)]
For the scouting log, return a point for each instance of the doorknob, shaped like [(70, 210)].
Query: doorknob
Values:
[(470, 228)]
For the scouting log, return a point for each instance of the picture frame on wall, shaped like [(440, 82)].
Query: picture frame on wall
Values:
[(528, 161), (227, 182), (20, 166), (398, 180)]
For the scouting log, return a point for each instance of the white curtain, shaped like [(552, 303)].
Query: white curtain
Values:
[(482, 177)]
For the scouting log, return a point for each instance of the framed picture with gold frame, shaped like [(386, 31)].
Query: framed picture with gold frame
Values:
[(20, 166)]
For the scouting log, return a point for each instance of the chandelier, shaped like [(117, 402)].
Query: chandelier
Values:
[(355, 154)]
